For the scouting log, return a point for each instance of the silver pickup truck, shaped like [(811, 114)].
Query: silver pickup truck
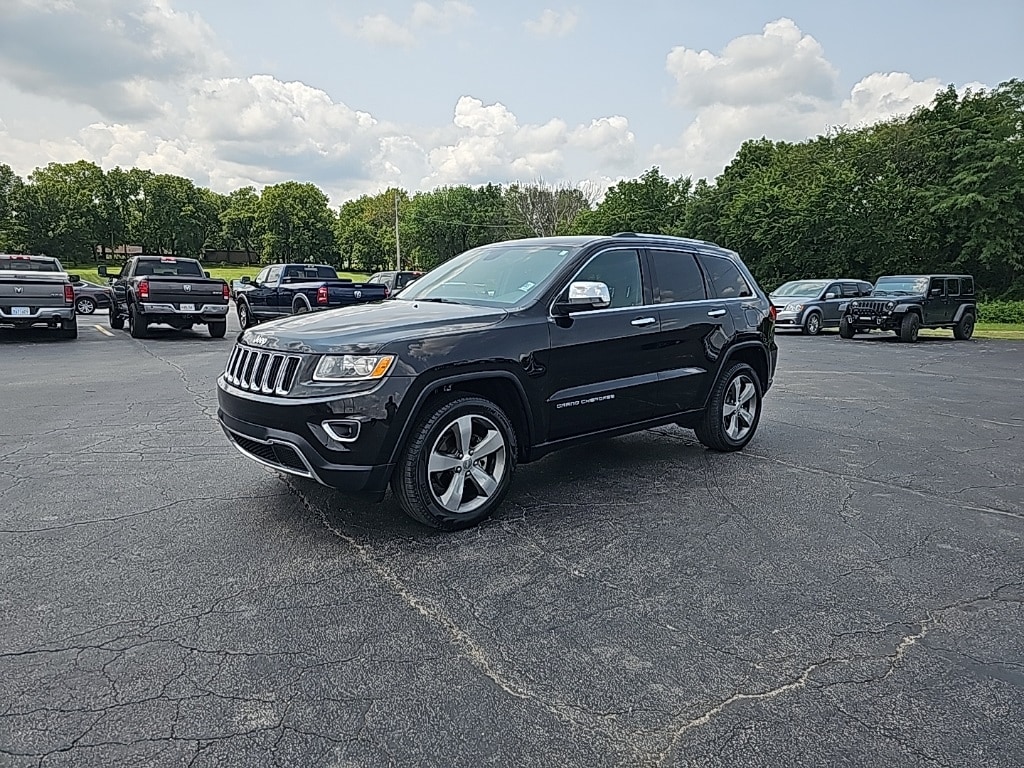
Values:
[(36, 291)]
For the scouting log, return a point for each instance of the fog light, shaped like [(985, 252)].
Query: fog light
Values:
[(344, 431)]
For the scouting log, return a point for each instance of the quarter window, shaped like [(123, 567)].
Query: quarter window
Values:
[(678, 276), (725, 279), (620, 271)]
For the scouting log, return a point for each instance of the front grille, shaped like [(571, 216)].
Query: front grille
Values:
[(276, 454), (269, 373), (873, 307)]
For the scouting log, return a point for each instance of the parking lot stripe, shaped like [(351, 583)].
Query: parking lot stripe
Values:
[(103, 330)]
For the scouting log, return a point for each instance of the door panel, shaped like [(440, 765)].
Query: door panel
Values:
[(936, 308), (692, 337), (603, 370)]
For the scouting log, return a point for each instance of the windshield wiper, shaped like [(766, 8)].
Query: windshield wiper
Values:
[(439, 301)]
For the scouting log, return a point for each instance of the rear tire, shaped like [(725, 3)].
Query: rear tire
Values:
[(846, 330), (85, 306), (439, 481), (137, 326), (69, 330), (734, 410), (812, 324), (300, 308), (218, 328), (909, 328), (965, 328)]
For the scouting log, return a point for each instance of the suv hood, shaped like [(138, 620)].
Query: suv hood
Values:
[(366, 328)]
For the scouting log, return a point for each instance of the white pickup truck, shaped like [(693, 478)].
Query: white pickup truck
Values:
[(36, 291)]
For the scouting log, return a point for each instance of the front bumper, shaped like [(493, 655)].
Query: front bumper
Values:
[(867, 321), (289, 436), (789, 318)]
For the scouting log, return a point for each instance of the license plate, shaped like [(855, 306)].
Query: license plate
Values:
[(20, 311), (188, 307), (865, 319)]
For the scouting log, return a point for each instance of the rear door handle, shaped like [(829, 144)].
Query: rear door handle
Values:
[(716, 313), (640, 322)]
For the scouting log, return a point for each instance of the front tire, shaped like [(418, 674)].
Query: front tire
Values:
[(245, 319), (457, 464), (116, 320), (963, 330), (734, 410), (812, 324), (137, 326), (846, 330), (909, 328), (85, 306)]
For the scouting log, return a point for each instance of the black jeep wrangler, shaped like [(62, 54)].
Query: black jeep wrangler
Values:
[(499, 356), (907, 303)]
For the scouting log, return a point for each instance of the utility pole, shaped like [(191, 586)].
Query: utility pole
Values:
[(398, 245)]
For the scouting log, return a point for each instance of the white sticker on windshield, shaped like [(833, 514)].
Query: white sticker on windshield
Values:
[(526, 286)]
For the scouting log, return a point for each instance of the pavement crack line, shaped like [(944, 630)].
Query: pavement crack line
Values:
[(932, 620), (469, 649)]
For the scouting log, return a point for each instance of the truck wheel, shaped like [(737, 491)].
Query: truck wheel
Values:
[(457, 464), (846, 330), (300, 308), (812, 324), (137, 326), (965, 328), (116, 320), (217, 328), (244, 316), (69, 329), (910, 327), (733, 412)]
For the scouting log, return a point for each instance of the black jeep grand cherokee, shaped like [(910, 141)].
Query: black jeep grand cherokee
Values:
[(499, 356)]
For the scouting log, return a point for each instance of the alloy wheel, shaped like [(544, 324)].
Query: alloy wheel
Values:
[(466, 464), (740, 407), (85, 306)]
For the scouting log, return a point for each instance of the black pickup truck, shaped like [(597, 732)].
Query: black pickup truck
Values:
[(165, 289), (292, 289), (36, 291)]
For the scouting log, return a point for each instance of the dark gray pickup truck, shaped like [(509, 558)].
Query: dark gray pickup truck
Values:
[(36, 291), (169, 290)]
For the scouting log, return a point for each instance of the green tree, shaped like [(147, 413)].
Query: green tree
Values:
[(296, 224), (12, 235), (652, 203), (177, 217), (238, 222), (61, 210)]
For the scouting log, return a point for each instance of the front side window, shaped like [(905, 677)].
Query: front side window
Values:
[(262, 276), (678, 276), (620, 271), (273, 274), (726, 280)]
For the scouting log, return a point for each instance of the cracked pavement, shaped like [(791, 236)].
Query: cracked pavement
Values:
[(846, 592)]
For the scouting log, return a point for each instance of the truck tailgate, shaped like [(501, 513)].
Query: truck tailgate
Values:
[(185, 290), (342, 294), (31, 291)]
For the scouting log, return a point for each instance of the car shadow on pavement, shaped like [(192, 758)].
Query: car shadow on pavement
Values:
[(546, 490), (10, 336)]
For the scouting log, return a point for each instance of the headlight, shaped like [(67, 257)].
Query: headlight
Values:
[(352, 367), (855, 304), (793, 307), (890, 306)]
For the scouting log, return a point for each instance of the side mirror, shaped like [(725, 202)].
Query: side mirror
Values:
[(75, 278), (246, 280), (101, 270), (584, 295), (831, 295), (205, 273), (935, 292)]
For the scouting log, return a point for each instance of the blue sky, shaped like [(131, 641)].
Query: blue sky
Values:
[(357, 96)]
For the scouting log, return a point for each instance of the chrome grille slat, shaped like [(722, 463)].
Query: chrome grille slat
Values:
[(265, 372)]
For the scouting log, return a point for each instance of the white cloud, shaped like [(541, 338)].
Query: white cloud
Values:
[(778, 84), (117, 56), (424, 17), (552, 24), (779, 63)]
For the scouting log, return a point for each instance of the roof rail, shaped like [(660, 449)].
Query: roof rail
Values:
[(667, 237)]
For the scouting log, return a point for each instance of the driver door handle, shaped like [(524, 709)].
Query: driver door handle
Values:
[(716, 313), (640, 322)]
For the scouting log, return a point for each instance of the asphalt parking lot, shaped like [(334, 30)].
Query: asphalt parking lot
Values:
[(846, 592)]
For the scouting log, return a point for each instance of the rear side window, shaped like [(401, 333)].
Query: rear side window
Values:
[(967, 286), (678, 277), (953, 287), (725, 279)]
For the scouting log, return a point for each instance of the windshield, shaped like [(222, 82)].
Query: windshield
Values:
[(800, 288), (496, 275), (901, 286)]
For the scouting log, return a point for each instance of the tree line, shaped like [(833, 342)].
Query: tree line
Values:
[(941, 189)]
